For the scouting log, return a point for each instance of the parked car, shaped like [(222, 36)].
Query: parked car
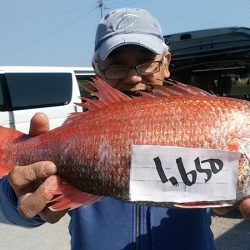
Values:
[(27, 90), (217, 60)]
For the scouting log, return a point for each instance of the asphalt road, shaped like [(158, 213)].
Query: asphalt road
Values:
[(231, 233), (45, 237)]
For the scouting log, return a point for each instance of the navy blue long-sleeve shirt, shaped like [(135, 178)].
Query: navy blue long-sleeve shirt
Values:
[(114, 225)]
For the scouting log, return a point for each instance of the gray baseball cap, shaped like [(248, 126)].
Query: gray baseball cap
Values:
[(128, 26)]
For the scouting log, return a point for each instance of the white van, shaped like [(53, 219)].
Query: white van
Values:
[(25, 91)]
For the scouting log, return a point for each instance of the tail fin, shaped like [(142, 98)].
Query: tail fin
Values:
[(8, 137)]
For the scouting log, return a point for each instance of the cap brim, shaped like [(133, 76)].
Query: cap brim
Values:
[(152, 43)]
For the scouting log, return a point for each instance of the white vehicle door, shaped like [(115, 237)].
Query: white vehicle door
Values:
[(53, 93), (6, 116)]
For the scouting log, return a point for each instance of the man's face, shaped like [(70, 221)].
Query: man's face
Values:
[(130, 56)]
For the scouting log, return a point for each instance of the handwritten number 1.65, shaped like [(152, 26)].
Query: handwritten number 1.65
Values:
[(189, 178)]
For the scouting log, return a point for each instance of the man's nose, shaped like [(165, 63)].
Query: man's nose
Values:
[(133, 77)]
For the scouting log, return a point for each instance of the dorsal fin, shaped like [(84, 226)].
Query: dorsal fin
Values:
[(106, 95), (172, 87)]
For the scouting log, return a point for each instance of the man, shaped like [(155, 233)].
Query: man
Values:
[(129, 54)]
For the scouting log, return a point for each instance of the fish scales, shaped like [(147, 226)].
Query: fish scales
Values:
[(92, 150), (94, 154)]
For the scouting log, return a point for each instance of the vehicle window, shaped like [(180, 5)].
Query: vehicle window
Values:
[(33, 90), (240, 86), (83, 81), (1, 94), (232, 83), (216, 60)]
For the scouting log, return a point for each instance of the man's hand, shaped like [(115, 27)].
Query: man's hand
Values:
[(244, 208), (27, 181)]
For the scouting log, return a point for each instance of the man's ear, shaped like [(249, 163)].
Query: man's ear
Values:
[(97, 73), (166, 62), (167, 59)]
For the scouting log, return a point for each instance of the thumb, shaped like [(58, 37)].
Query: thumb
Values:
[(39, 124)]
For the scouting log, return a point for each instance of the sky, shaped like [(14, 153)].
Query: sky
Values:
[(62, 32)]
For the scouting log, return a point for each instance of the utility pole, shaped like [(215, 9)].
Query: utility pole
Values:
[(100, 5)]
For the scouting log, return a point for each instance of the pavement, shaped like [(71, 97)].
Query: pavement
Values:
[(231, 233), (45, 237)]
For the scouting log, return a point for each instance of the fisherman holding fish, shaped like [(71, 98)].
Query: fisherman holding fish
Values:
[(130, 54)]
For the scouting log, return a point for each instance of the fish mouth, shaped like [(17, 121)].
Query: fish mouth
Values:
[(205, 204)]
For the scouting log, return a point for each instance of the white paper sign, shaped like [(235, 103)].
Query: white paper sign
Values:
[(177, 174)]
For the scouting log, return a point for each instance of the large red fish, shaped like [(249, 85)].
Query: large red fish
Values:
[(92, 149)]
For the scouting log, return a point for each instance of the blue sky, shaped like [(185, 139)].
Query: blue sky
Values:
[(62, 32)]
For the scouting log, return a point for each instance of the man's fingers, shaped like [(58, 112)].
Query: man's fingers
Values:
[(51, 216), (223, 210), (30, 204), (26, 180), (245, 208), (39, 124), (22, 176)]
